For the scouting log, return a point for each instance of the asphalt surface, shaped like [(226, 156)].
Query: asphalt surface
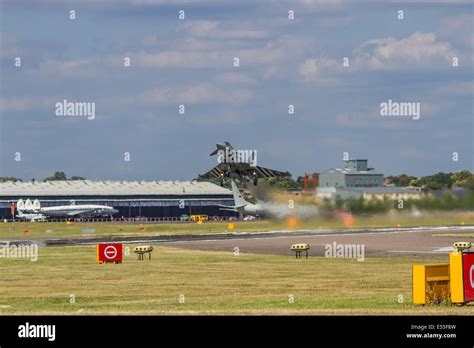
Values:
[(378, 242)]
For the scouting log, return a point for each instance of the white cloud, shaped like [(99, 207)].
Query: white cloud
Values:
[(81, 67), (272, 53), (308, 69), (419, 50), (180, 59), (200, 93), (317, 70), (213, 29)]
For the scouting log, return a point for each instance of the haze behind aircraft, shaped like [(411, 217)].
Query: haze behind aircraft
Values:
[(240, 204), (230, 167), (85, 210)]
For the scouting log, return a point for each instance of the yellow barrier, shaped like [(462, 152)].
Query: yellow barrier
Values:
[(455, 274), (430, 283), (453, 282)]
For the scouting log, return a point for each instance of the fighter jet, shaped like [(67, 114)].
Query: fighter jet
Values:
[(238, 164)]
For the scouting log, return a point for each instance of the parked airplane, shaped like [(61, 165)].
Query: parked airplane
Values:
[(84, 210), (238, 164), (31, 217), (240, 204)]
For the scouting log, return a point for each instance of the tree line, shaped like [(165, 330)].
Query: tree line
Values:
[(438, 181), (55, 177)]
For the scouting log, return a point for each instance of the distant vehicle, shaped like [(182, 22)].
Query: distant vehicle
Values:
[(231, 166), (68, 211), (250, 218), (240, 204), (199, 217), (141, 218), (184, 217)]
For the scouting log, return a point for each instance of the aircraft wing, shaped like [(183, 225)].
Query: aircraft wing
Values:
[(214, 172), (263, 172), (229, 209)]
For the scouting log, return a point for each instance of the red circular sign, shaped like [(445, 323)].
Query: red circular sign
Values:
[(110, 252)]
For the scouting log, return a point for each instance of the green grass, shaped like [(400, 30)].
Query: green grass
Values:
[(58, 229), (212, 283)]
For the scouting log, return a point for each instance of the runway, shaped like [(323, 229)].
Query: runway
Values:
[(390, 243), (377, 242)]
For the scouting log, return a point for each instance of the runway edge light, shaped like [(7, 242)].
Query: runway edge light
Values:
[(143, 249), (298, 248)]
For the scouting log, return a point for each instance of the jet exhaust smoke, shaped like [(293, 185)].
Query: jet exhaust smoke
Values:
[(281, 210)]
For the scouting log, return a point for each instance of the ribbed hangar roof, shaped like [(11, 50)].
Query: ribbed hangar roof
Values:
[(99, 188)]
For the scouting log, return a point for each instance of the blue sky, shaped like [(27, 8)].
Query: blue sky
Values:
[(190, 62)]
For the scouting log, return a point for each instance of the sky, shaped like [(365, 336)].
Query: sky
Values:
[(427, 57)]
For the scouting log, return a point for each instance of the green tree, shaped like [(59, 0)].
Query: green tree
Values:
[(415, 183), (470, 183), (437, 181), (461, 178), (9, 178), (432, 185), (56, 176), (283, 182), (74, 177), (402, 180)]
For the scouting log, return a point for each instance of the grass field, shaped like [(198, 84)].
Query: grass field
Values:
[(60, 229), (211, 283)]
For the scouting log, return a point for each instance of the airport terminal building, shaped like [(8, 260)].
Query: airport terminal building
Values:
[(356, 173), (357, 180), (158, 199)]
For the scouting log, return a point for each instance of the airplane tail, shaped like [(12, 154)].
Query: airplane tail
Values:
[(36, 205), (20, 205), (239, 201), (221, 146), (27, 205)]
